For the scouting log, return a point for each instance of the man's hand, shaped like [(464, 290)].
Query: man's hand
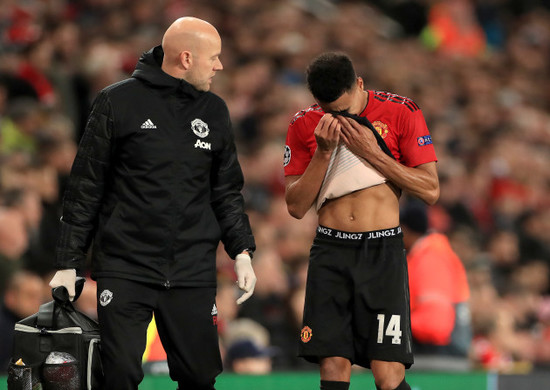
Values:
[(67, 279), (359, 139), (327, 133), (246, 278)]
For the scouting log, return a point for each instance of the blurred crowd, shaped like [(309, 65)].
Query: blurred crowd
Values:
[(478, 69)]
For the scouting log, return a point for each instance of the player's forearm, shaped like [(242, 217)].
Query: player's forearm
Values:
[(302, 191), (421, 181)]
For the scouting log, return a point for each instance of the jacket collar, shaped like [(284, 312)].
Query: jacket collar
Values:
[(148, 69)]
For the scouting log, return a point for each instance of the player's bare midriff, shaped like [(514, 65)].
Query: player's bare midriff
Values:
[(365, 210)]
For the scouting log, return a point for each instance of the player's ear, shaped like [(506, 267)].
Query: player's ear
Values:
[(360, 83)]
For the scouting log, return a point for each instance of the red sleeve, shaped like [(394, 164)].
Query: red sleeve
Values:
[(415, 142), (298, 153)]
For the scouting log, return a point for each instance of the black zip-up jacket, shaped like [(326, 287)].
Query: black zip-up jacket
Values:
[(155, 184)]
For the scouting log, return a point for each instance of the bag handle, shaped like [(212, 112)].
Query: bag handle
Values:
[(45, 318), (61, 295)]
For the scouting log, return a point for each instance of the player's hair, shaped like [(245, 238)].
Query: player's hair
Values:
[(329, 76)]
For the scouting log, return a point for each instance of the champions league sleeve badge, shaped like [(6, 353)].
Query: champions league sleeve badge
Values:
[(424, 140), (286, 160)]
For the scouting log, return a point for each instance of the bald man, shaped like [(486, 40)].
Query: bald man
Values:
[(155, 186), (192, 49)]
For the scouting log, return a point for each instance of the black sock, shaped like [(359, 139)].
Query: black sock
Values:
[(402, 386), (334, 385)]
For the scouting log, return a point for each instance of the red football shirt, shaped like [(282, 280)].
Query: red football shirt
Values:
[(398, 120)]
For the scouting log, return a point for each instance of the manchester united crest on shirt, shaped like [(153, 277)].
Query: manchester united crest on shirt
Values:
[(200, 128), (306, 334), (381, 127)]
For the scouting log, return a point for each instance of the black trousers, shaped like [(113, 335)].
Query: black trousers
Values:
[(185, 323)]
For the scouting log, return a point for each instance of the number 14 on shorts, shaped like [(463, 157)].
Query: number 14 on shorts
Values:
[(392, 330)]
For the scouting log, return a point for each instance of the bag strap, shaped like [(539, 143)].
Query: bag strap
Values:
[(45, 320), (45, 315)]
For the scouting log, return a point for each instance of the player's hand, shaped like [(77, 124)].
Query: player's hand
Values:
[(246, 278), (358, 138), (327, 133), (67, 279)]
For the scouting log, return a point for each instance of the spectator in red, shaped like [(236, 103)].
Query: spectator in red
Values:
[(34, 69), (439, 291), (453, 29)]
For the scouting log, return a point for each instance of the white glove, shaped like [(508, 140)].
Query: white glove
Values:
[(246, 278), (67, 279)]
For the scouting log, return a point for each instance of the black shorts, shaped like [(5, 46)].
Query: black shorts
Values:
[(357, 298)]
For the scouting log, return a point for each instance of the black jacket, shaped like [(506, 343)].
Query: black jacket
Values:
[(155, 184)]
